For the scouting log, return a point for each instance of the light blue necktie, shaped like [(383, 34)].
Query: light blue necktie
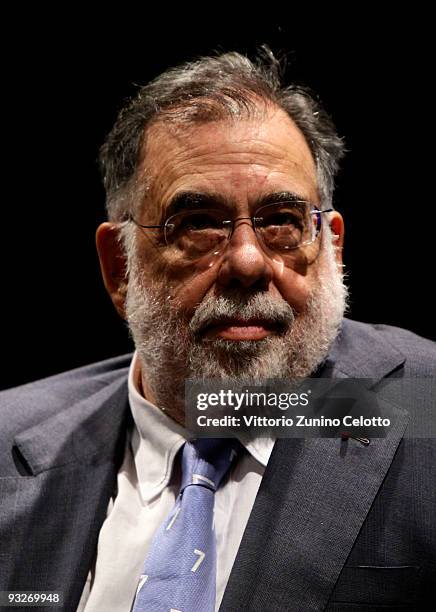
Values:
[(179, 573)]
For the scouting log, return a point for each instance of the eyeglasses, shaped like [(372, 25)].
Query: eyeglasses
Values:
[(280, 227)]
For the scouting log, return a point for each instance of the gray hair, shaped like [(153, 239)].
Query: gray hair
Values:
[(210, 89)]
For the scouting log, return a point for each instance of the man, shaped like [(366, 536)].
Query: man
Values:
[(223, 253)]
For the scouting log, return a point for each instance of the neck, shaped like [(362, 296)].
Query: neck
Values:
[(175, 412)]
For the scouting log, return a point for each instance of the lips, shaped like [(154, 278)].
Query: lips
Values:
[(236, 328)]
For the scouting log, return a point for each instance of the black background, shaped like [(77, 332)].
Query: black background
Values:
[(64, 81)]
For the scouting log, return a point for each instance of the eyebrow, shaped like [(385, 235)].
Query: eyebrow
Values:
[(190, 200), (280, 196)]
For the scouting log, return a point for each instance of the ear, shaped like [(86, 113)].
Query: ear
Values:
[(113, 264), (337, 228)]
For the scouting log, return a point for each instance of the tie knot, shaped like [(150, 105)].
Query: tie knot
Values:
[(206, 461)]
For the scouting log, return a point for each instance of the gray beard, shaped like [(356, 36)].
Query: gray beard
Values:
[(170, 348)]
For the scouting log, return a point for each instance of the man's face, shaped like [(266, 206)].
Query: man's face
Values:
[(248, 313), (240, 164)]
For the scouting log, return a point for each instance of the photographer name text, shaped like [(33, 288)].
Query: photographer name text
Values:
[(299, 421)]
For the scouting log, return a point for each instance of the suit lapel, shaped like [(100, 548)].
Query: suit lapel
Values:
[(53, 515), (313, 500)]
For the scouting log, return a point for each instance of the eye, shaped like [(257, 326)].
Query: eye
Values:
[(197, 221), (283, 218)]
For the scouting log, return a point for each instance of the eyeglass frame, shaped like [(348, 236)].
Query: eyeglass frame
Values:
[(252, 218)]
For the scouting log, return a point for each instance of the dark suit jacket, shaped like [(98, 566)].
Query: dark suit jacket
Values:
[(335, 526)]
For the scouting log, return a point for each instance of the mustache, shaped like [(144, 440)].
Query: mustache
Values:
[(255, 307)]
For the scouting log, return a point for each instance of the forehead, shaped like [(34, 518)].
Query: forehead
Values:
[(239, 160)]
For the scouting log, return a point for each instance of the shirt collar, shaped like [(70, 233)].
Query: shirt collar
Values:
[(156, 438)]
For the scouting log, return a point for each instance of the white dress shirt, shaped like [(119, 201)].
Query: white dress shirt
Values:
[(148, 484)]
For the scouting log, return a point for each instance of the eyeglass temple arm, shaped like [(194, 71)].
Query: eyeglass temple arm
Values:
[(318, 219), (130, 218)]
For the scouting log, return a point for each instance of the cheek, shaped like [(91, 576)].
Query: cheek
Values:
[(185, 289), (185, 284), (190, 292), (295, 288)]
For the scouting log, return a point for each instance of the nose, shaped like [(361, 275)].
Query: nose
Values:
[(244, 264)]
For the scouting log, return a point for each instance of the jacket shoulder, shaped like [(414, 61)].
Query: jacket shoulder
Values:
[(27, 405), (418, 353)]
